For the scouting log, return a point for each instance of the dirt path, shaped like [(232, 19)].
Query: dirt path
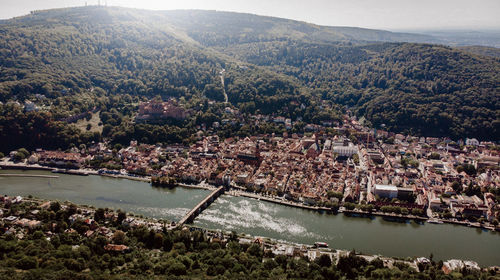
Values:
[(223, 86)]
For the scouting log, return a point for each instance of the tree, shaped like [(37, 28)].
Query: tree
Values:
[(27, 262), (281, 260), (177, 268), (38, 235), (55, 206), (121, 217), (457, 186), (234, 247), (434, 156), (331, 194), (255, 250), (349, 205), (167, 243), (118, 237), (270, 264), (158, 241), (99, 215), (19, 157), (25, 152), (324, 260)]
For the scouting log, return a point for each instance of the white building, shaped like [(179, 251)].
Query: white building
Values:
[(385, 191), (30, 106), (471, 142), (345, 151)]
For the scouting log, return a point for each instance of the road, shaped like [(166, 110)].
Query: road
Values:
[(223, 86)]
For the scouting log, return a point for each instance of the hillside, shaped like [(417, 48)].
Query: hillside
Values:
[(117, 50), (88, 57), (213, 28), (422, 89), (481, 50)]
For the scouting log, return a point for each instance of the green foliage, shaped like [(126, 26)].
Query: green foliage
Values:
[(27, 262), (337, 195), (468, 168), (55, 206), (118, 237), (416, 88), (417, 212), (36, 129), (410, 162), (349, 205), (99, 214), (24, 152), (324, 260), (434, 156)]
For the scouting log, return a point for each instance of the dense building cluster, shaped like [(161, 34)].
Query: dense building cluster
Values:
[(354, 165)]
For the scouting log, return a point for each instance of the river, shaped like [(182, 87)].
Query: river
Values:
[(259, 218), (132, 196)]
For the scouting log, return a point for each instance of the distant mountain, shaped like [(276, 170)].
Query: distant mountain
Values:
[(487, 38), (213, 28), (272, 65), (481, 50)]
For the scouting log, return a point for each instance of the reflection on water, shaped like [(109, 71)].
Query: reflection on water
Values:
[(245, 216), (366, 234)]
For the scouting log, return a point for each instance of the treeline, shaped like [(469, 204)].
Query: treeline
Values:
[(34, 130)]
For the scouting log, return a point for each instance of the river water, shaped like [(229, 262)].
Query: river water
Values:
[(131, 196), (259, 218)]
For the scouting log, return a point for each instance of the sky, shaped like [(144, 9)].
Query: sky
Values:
[(377, 14)]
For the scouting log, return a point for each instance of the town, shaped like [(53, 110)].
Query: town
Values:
[(344, 167)]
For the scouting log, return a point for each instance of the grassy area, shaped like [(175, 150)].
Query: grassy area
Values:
[(94, 122)]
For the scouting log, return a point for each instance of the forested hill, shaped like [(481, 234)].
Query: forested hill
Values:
[(121, 51), (213, 28), (101, 52)]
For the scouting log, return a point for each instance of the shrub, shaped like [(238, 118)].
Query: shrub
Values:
[(177, 269), (27, 262)]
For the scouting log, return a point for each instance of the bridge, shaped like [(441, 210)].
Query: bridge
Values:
[(189, 217)]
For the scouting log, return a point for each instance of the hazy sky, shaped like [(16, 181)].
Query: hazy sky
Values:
[(382, 14)]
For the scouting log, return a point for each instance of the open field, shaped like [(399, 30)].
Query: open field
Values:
[(94, 122)]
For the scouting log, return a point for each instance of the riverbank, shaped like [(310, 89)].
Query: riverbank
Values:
[(80, 172), (24, 166), (201, 185), (127, 177), (28, 176), (383, 214), (278, 201), (238, 192), (357, 212)]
